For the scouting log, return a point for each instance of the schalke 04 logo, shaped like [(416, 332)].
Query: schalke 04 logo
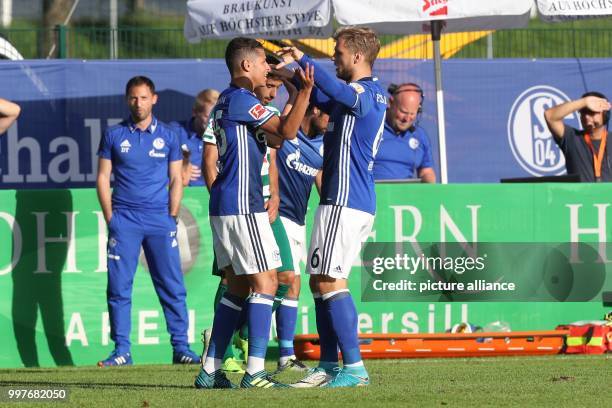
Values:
[(531, 142)]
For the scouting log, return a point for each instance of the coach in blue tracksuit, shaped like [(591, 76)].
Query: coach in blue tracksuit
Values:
[(145, 157)]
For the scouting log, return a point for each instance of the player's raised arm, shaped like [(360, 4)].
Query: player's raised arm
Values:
[(285, 128), (326, 83)]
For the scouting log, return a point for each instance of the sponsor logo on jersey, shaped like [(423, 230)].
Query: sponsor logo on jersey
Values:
[(125, 146), (531, 142), (258, 111), (293, 162), (159, 143), (260, 136), (153, 153)]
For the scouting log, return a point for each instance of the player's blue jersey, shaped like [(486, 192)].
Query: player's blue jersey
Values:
[(140, 161), (298, 162), (238, 187), (192, 143), (357, 117)]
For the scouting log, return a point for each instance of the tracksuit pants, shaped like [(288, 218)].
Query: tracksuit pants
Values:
[(156, 233)]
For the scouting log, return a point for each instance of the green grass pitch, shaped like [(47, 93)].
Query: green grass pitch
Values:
[(558, 381)]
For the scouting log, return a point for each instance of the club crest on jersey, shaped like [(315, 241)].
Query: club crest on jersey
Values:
[(159, 143), (357, 87), (257, 111), (413, 143)]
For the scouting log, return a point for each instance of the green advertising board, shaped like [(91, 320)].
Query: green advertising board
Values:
[(53, 266)]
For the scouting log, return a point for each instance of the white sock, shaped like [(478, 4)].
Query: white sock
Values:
[(354, 365), (282, 360), (255, 364), (212, 364)]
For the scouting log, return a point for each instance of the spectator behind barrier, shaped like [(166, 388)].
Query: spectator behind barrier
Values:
[(586, 152), (191, 132), (405, 150)]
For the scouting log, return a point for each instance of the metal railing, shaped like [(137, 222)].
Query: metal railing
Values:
[(97, 43)]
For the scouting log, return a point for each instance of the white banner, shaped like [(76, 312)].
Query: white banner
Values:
[(269, 19), (411, 17), (561, 10)]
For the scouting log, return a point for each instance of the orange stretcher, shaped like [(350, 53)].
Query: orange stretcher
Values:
[(397, 345)]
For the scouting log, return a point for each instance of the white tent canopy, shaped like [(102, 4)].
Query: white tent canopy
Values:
[(447, 16), (412, 17)]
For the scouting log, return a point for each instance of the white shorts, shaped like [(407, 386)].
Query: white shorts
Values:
[(337, 235), (245, 242), (296, 234)]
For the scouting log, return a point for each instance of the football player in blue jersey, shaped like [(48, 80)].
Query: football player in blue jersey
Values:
[(299, 162), (348, 201), (269, 173), (242, 236), (190, 134), (145, 157)]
